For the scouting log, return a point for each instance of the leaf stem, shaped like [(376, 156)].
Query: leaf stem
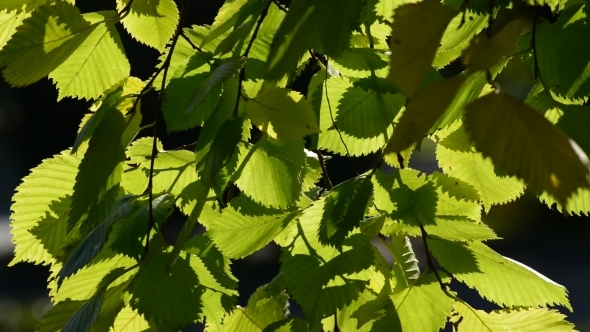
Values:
[(327, 183), (245, 55), (165, 67), (429, 261)]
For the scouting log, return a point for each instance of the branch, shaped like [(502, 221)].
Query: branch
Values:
[(165, 67), (245, 55)]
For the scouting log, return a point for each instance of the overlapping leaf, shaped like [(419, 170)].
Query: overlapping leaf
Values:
[(51, 181), (325, 26), (522, 142), (563, 56), (282, 113), (325, 96), (271, 171), (264, 307), (423, 112), (525, 320), (150, 22), (185, 84), (82, 54), (344, 208), (245, 227), (459, 159), (497, 278), (412, 54)]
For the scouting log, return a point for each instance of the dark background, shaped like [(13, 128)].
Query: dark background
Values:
[(33, 126)]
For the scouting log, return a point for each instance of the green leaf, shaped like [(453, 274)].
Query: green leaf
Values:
[(425, 292), (10, 20), (85, 317), (497, 278), (185, 84), (423, 112), (398, 312), (457, 35), (344, 209), (213, 271), (324, 26), (129, 320), (323, 286), (232, 14), (361, 62), (325, 95), (72, 49), (87, 73), (246, 227), (405, 264), (271, 171), (88, 280), (99, 308), (483, 52), (226, 70), (406, 196), (282, 113), (367, 113), (291, 324), (129, 232), (264, 307), (181, 55), (459, 159), (150, 22), (525, 320), (98, 181), (93, 243), (51, 181), (553, 162), (412, 54), (561, 53), (164, 291)]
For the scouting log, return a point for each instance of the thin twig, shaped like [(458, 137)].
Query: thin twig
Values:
[(245, 55), (165, 66), (327, 183), (188, 40), (429, 259), (534, 41)]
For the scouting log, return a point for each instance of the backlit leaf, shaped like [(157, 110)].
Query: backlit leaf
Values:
[(245, 227), (150, 22), (522, 142), (271, 171), (281, 113), (525, 320), (497, 278), (412, 54), (422, 113)]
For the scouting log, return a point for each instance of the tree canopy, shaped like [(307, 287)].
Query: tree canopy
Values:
[(379, 77)]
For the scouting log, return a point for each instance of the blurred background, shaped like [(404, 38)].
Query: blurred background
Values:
[(33, 126)]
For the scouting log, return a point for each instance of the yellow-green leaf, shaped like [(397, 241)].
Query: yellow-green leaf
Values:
[(412, 53), (282, 113), (484, 52), (521, 142), (423, 112), (150, 22)]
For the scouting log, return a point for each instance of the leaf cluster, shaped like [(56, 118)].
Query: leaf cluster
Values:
[(376, 80)]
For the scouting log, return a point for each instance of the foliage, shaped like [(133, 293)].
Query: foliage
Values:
[(272, 88)]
